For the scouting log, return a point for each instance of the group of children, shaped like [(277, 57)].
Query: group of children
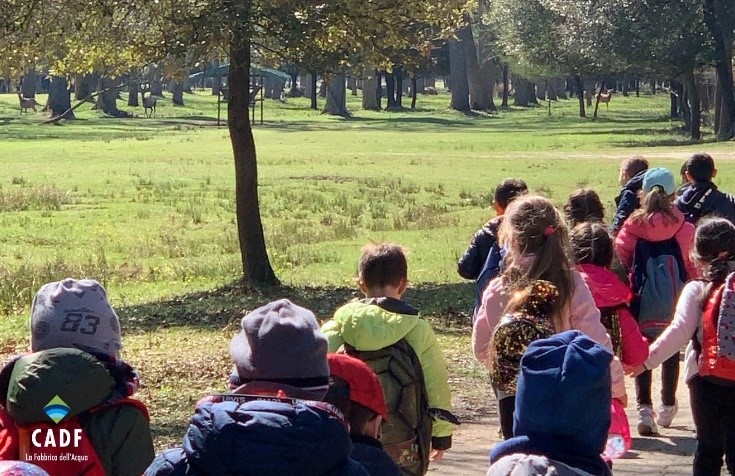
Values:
[(640, 288)]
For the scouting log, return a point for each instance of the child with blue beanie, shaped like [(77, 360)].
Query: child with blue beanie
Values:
[(562, 413)]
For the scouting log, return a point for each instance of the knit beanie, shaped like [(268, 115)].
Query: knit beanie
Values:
[(76, 314), (564, 392), (281, 343)]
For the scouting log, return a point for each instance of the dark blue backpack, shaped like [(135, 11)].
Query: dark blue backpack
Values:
[(657, 277), (490, 270)]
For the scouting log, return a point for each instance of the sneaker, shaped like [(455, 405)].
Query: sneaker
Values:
[(667, 413), (646, 423)]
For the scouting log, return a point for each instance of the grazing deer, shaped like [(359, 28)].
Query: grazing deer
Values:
[(26, 103), (149, 103), (606, 96)]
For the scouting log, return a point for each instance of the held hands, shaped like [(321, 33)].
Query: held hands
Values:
[(436, 455), (623, 400), (634, 371)]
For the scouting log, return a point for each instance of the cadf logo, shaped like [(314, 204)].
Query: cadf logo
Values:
[(56, 410)]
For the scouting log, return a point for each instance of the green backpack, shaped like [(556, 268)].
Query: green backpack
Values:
[(406, 435)]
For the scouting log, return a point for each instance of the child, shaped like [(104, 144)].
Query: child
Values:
[(563, 410), (355, 390), (538, 243), (685, 182), (75, 340), (702, 198), (472, 261), (383, 321), (631, 178), (273, 422), (698, 313), (654, 244), (584, 205)]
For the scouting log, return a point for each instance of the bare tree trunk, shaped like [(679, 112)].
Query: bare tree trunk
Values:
[(398, 74), (336, 97), (506, 86), (603, 87), (413, 91), (521, 92), (390, 90), (59, 98), (719, 22), (478, 85), (694, 105), (458, 73), (178, 94), (29, 83), (156, 83), (580, 95), (107, 98), (370, 91), (313, 92), (256, 267), (306, 83), (133, 91), (84, 85)]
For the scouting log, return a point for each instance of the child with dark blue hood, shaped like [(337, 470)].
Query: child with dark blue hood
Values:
[(562, 413)]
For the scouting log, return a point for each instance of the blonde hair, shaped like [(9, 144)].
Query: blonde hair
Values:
[(655, 202), (533, 226)]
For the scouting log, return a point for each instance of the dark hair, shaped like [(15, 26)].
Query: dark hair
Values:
[(592, 244), (533, 226), (509, 189), (683, 171), (634, 165), (714, 246), (382, 264), (584, 205), (655, 201), (356, 415), (700, 167)]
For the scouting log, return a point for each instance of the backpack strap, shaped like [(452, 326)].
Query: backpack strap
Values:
[(124, 401)]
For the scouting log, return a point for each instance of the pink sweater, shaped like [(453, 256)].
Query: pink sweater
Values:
[(581, 314), (655, 229)]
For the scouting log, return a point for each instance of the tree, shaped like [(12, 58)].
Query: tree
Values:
[(719, 15)]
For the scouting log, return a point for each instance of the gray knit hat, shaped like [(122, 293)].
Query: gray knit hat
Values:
[(73, 313), (281, 343)]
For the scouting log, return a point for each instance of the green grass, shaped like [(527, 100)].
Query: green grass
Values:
[(146, 206)]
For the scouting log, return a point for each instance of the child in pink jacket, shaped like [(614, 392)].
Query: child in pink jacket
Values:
[(656, 221), (537, 242)]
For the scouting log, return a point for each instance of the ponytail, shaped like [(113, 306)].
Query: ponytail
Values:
[(655, 202)]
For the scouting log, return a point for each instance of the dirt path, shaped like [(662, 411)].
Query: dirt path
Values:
[(669, 454)]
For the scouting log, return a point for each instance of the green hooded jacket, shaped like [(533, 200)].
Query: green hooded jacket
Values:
[(120, 434), (370, 325)]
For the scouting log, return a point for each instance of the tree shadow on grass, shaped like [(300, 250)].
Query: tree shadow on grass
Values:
[(447, 305)]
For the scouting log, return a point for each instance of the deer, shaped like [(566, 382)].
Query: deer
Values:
[(26, 103), (606, 96), (149, 103)]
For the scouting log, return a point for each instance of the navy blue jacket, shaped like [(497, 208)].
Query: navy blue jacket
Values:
[(471, 263), (627, 202), (369, 452), (702, 199), (260, 438)]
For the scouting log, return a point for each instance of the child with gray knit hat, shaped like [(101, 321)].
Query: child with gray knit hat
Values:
[(274, 422), (75, 367)]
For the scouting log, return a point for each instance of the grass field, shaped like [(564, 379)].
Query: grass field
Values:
[(146, 206)]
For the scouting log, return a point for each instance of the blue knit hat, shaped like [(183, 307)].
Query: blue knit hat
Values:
[(564, 391)]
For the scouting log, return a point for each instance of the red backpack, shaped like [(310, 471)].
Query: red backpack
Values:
[(717, 349), (60, 449)]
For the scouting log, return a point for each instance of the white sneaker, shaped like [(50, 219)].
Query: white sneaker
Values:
[(667, 413), (646, 423)]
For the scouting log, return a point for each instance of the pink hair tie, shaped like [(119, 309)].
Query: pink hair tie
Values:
[(549, 230)]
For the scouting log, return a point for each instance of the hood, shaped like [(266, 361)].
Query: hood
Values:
[(531, 464), (30, 382), (636, 183), (699, 199), (373, 324), (606, 287), (657, 227), (266, 438)]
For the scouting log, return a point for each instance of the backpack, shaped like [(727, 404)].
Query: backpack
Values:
[(59, 449), (717, 350), (610, 318), (489, 271), (656, 279), (406, 433)]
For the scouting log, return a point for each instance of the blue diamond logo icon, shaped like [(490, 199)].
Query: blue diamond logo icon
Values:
[(56, 409)]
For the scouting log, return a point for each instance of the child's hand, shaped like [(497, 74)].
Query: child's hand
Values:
[(436, 455), (623, 400), (635, 371)]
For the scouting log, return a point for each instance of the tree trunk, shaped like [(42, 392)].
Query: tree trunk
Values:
[(352, 85), (626, 86), (216, 85), (506, 85), (414, 91), (157, 85), (256, 267), (178, 94), (721, 31), (306, 82), (589, 91), (323, 89), (313, 93), (133, 91), (379, 88), (551, 90), (390, 90), (84, 85), (690, 82), (580, 94), (521, 88), (336, 97), (478, 81), (295, 91), (458, 73), (370, 91), (107, 98), (603, 87), (686, 112), (673, 103), (718, 105), (59, 98), (29, 83), (541, 92), (637, 87), (398, 74)]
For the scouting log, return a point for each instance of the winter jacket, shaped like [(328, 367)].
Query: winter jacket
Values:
[(120, 434), (627, 202), (581, 314), (471, 263), (684, 325), (703, 199), (532, 465), (260, 438), (656, 228), (608, 291), (370, 454), (374, 324)]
